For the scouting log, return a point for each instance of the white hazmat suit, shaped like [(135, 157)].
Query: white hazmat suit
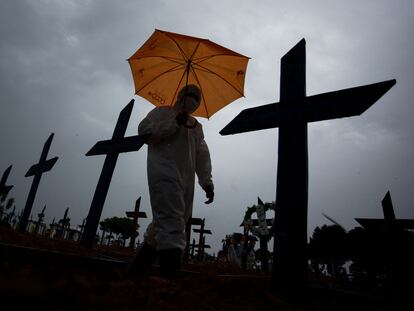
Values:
[(175, 154)]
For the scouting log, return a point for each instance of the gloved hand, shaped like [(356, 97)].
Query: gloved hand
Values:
[(209, 194), (181, 118)]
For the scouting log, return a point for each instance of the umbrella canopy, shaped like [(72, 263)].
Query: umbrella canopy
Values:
[(167, 62)]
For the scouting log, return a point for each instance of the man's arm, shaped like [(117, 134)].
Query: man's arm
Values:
[(160, 123), (203, 170)]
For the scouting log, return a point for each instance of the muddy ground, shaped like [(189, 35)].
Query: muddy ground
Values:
[(62, 276)]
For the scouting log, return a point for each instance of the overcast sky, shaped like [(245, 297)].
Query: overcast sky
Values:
[(63, 69)]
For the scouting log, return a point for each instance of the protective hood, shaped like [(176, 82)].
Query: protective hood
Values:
[(188, 99)]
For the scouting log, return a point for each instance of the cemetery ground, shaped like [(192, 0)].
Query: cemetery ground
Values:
[(55, 274)]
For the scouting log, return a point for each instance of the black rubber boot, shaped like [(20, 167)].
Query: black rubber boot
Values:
[(142, 262), (170, 262)]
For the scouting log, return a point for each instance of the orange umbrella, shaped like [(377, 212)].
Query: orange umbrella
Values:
[(168, 61)]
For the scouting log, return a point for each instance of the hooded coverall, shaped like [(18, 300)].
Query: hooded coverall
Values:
[(175, 154)]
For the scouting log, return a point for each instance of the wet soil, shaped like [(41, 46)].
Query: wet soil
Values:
[(70, 284)]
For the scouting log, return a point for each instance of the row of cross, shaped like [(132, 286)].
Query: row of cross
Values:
[(64, 222), (111, 148), (291, 115)]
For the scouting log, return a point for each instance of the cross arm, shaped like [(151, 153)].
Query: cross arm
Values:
[(195, 221), (338, 104), (139, 214), (202, 231), (345, 103), (41, 167), (369, 223), (204, 246), (256, 222), (125, 144)]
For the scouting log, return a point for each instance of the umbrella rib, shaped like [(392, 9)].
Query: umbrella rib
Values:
[(204, 58), (159, 75), (178, 85), (178, 46), (172, 59), (195, 50), (202, 68)]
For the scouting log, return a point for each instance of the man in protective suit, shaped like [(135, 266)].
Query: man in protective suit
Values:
[(176, 153)]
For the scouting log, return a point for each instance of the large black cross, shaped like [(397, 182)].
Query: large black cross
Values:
[(135, 215), (36, 170), (4, 190), (112, 148), (291, 115), (389, 221)]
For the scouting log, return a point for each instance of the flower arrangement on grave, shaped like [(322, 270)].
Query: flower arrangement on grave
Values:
[(262, 228)]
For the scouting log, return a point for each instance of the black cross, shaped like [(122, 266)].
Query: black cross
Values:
[(135, 215), (64, 224), (36, 170), (201, 239), (112, 148), (291, 115), (4, 190), (389, 221), (39, 221), (82, 226), (192, 248), (201, 247), (191, 222)]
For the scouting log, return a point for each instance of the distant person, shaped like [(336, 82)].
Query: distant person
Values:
[(176, 153)]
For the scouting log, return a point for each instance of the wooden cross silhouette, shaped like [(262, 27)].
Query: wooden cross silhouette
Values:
[(4, 190), (64, 223), (200, 248), (192, 248), (82, 226), (39, 221), (36, 170), (111, 148), (135, 215), (291, 115), (201, 239), (389, 221), (192, 221)]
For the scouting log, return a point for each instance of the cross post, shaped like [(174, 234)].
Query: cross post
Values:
[(201, 239), (111, 148), (192, 247), (4, 190), (36, 170), (291, 115), (135, 215), (39, 221), (64, 223), (191, 222), (82, 226)]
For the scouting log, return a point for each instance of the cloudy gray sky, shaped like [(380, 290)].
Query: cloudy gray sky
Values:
[(63, 69)]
